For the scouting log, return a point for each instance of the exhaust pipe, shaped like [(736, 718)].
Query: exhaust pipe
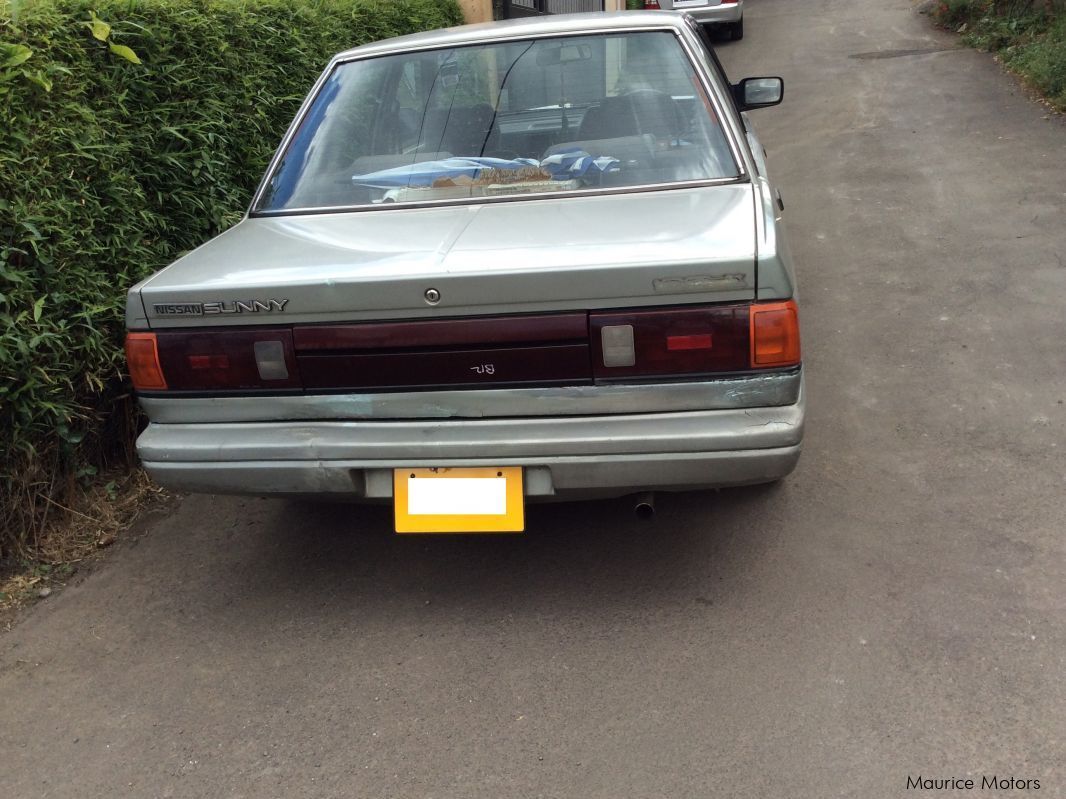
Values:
[(644, 505)]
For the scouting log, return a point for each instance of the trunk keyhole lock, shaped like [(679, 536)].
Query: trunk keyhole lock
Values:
[(432, 296)]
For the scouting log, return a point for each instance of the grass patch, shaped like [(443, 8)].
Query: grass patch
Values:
[(70, 534), (1029, 36)]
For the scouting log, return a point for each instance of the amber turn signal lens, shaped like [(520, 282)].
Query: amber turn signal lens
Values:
[(142, 358), (775, 339)]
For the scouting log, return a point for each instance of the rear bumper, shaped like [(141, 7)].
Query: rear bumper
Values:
[(565, 456), (563, 477)]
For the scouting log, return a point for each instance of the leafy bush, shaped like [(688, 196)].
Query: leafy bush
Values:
[(956, 12), (130, 131)]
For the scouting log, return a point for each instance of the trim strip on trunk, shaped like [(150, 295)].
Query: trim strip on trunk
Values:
[(443, 333)]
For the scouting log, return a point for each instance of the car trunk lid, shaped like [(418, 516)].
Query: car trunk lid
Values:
[(648, 248)]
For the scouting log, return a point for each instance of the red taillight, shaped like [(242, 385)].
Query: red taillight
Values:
[(699, 341), (670, 341), (208, 360), (775, 339), (644, 344), (651, 5), (142, 359)]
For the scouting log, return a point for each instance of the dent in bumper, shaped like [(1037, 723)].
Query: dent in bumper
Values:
[(429, 442), (751, 391)]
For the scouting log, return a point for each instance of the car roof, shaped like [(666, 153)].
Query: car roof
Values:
[(531, 27)]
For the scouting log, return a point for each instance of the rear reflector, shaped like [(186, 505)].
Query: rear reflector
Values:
[(142, 358), (775, 339), (209, 362)]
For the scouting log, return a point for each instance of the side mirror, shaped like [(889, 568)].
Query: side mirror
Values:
[(753, 93)]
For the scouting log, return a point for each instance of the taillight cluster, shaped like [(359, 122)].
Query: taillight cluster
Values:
[(211, 360), (670, 341), (695, 341), (637, 344)]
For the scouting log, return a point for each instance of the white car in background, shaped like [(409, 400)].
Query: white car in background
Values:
[(725, 14)]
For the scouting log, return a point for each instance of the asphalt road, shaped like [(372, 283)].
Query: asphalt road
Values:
[(895, 608)]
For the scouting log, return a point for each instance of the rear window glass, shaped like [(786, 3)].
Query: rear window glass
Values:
[(531, 117)]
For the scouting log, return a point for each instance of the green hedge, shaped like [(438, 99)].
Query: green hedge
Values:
[(130, 131)]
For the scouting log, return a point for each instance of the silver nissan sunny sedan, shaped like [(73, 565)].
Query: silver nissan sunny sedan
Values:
[(489, 265)]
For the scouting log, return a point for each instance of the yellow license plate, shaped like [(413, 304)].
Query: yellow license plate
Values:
[(463, 500)]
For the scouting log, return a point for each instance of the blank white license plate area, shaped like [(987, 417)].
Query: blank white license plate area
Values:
[(469, 496)]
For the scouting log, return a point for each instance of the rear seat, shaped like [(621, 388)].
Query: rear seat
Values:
[(461, 130), (633, 114), (458, 132)]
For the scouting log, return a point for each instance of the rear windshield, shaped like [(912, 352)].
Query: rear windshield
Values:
[(531, 117)]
